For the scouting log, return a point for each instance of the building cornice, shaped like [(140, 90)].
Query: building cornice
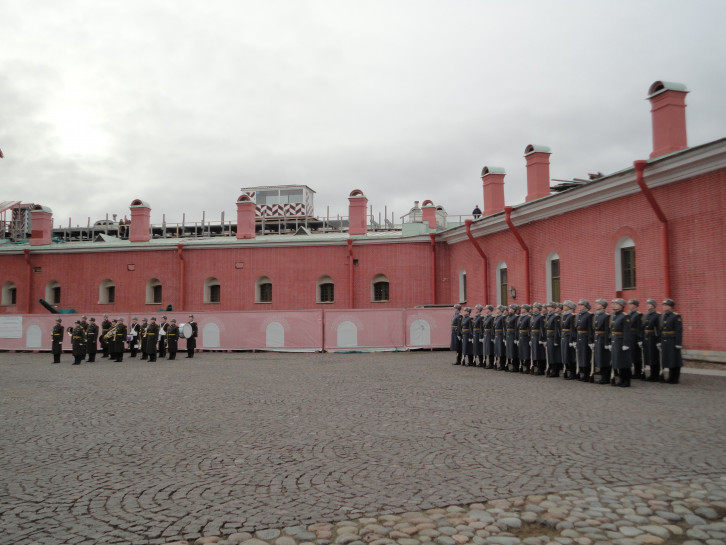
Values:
[(660, 171)]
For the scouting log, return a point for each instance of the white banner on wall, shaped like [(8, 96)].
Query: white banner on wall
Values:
[(11, 327)]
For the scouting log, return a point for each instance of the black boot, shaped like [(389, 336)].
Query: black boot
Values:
[(624, 378), (604, 375)]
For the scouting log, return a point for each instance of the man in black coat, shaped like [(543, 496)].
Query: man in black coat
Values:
[(552, 329), (455, 343), (467, 337), (163, 326), (152, 335), (636, 327), (500, 349), (488, 331), (192, 339), (512, 338), (92, 340), (477, 339), (524, 339), (106, 326), (57, 336), (538, 341), (119, 339), (651, 338), (601, 345), (568, 339), (621, 342), (585, 336), (671, 339)]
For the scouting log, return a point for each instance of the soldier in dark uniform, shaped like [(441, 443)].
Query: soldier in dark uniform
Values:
[(568, 340), (119, 339), (552, 328), (500, 349), (78, 342), (467, 338), (92, 340), (152, 335), (455, 344), (636, 328), (524, 338), (601, 346), (671, 339), (511, 339), (105, 328), (488, 333), (172, 338), (651, 339), (537, 341), (57, 336), (477, 346), (142, 338), (192, 340), (84, 323), (134, 330), (162, 334), (621, 341), (585, 338)]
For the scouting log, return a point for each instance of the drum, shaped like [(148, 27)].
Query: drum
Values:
[(185, 331)]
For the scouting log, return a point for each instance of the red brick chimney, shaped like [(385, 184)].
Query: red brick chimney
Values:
[(357, 213), (668, 112), (140, 222), (538, 171), (493, 182), (246, 212), (428, 213), (41, 224)]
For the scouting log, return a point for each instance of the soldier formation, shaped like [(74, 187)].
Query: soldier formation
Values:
[(546, 340), (150, 338)]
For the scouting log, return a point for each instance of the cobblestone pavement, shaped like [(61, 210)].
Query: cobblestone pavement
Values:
[(139, 452)]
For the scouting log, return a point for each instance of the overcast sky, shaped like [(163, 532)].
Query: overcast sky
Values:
[(183, 103)]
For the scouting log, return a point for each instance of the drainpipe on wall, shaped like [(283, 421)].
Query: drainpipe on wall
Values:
[(179, 248), (508, 218), (350, 273), (29, 280), (639, 168), (432, 236), (485, 266)]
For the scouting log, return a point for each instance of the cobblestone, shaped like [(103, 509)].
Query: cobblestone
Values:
[(258, 448)]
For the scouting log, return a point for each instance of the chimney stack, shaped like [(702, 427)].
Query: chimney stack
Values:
[(493, 182), (668, 113), (246, 212), (41, 225), (538, 171), (429, 214), (140, 222), (357, 213)]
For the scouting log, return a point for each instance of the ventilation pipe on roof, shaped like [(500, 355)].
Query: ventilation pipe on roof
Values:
[(538, 171), (639, 168), (493, 183), (41, 223), (428, 213), (140, 221), (668, 114), (246, 211), (357, 213)]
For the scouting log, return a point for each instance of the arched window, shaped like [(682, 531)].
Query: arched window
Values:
[(553, 277), (502, 284), (212, 291), (9, 295), (379, 288), (106, 292), (53, 292), (326, 290), (153, 292), (263, 290), (462, 286), (625, 264)]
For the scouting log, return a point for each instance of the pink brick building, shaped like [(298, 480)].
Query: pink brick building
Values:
[(654, 229)]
